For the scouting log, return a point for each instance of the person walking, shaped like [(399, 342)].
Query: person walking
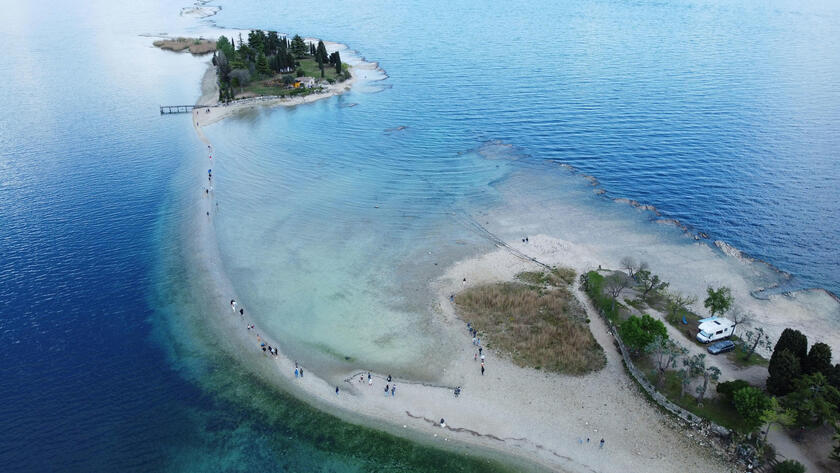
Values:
[(336, 390), (482, 369), (601, 445), (296, 373), (482, 359), (301, 372), (387, 388), (393, 390)]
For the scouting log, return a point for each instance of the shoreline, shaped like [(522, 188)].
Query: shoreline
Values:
[(513, 433)]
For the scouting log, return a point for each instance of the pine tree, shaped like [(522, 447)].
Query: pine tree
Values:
[(262, 65), (298, 46)]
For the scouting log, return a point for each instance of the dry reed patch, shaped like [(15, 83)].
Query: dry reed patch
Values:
[(195, 46), (538, 327)]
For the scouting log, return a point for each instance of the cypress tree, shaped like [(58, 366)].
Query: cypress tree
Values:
[(793, 341), (784, 369), (321, 52), (818, 360)]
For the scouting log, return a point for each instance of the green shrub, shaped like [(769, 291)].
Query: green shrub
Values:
[(727, 389), (789, 466), (639, 332)]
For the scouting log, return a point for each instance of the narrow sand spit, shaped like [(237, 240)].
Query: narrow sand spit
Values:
[(552, 420)]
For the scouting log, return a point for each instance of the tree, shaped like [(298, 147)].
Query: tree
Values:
[(664, 352), (718, 301), (629, 263), (691, 370), (813, 400), (312, 49), (728, 388), (783, 369), (738, 317), (240, 78), (789, 466), (677, 303), (754, 339), (614, 284), (795, 342), (262, 65), (650, 282), (751, 403), (639, 332), (337, 62), (710, 375), (256, 40), (834, 376), (223, 45), (321, 53), (685, 376), (835, 452), (818, 360), (298, 47), (776, 415), (272, 43)]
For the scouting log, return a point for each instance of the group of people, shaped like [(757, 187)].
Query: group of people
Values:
[(600, 444), (476, 341), (392, 388)]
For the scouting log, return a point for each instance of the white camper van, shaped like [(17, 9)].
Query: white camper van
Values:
[(715, 328)]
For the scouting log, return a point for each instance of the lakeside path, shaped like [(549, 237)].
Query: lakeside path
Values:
[(523, 413)]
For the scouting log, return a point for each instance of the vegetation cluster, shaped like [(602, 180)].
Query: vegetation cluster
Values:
[(268, 64), (537, 321), (802, 389)]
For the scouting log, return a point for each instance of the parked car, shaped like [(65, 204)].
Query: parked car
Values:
[(721, 347)]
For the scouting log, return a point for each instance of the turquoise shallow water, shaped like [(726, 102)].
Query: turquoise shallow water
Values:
[(723, 117)]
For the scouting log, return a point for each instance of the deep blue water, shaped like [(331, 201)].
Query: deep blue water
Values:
[(723, 116)]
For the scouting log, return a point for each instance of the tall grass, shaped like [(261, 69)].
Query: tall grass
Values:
[(542, 327)]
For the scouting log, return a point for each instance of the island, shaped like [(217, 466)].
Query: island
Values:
[(272, 65)]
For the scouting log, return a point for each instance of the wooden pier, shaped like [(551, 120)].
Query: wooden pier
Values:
[(167, 109)]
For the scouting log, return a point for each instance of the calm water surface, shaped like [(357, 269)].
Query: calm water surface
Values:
[(723, 116)]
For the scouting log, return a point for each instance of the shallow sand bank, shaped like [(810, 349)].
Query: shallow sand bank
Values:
[(546, 418)]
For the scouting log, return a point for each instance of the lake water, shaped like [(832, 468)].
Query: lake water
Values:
[(332, 220)]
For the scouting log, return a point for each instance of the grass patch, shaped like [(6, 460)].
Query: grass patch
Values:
[(637, 304), (717, 410), (557, 277), (538, 327), (310, 69), (737, 357), (275, 87)]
